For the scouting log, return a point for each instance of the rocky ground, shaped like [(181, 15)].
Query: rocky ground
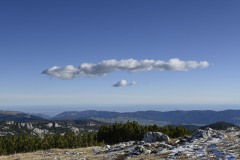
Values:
[(202, 144)]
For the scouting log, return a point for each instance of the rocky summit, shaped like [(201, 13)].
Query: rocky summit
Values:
[(202, 144)]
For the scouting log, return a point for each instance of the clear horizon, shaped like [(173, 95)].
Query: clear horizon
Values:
[(53, 110)]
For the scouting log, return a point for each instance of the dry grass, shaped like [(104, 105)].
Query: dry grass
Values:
[(67, 154), (53, 154)]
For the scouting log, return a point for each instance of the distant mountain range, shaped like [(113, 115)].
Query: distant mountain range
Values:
[(195, 117), (15, 123)]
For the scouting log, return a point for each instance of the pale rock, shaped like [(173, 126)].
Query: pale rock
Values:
[(147, 145), (165, 138), (57, 125), (207, 133), (49, 125), (108, 147), (29, 126), (147, 151), (151, 137), (74, 129)]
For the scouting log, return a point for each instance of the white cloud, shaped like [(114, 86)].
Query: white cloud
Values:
[(132, 83), (123, 83), (131, 65)]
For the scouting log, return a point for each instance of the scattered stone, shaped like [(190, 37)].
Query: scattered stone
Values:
[(208, 133)]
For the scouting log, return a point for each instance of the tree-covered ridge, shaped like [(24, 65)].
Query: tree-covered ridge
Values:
[(18, 116), (30, 143)]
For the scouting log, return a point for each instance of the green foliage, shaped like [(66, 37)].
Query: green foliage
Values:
[(132, 131), (29, 143)]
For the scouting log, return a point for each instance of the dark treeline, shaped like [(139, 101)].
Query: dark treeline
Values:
[(132, 131), (107, 134), (30, 143)]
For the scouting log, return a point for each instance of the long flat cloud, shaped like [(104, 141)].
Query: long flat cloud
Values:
[(130, 65)]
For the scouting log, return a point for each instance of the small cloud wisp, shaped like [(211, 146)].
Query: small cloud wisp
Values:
[(123, 83)]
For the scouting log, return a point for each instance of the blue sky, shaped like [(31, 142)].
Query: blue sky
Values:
[(37, 35)]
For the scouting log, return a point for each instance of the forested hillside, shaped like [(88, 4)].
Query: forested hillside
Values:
[(107, 134)]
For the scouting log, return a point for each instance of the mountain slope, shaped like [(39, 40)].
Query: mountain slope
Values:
[(220, 126), (18, 116), (75, 115), (41, 128)]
